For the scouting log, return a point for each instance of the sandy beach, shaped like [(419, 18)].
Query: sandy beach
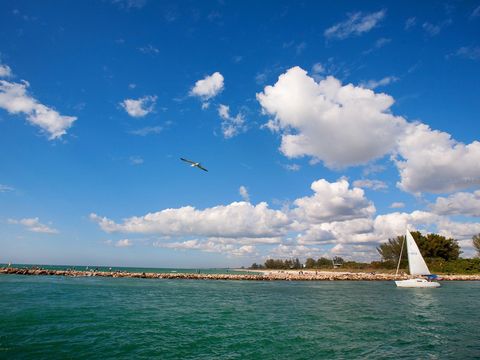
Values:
[(255, 275)]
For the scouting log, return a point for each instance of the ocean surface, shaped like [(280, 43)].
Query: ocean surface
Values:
[(52, 317)]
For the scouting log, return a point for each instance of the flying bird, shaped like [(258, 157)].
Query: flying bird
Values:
[(194, 164)]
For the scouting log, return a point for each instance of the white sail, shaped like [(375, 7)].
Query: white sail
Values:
[(416, 264)]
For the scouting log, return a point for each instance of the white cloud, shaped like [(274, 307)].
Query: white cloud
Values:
[(287, 251), (432, 161), (123, 243), (370, 184), (397, 205), (330, 122), (231, 126), (461, 203), (244, 193), (333, 202), (140, 107), (5, 71), (15, 100), (373, 84), (348, 125), (34, 225), (5, 188), (238, 219), (208, 87), (356, 24), (210, 246), (334, 216), (147, 130)]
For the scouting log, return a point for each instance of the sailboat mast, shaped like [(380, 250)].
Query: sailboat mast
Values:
[(400, 257)]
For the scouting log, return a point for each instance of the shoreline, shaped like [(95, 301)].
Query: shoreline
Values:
[(265, 275)]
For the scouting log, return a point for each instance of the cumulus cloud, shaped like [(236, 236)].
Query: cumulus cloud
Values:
[(5, 71), (295, 251), (333, 201), (339, 125), (231, 125), (244, 193), (430, 160), (356, 25), (208, 87), (238, 219), (370, 184), (34, 225), (348, 125), (140, 107), (15, 100), (334, 216), (210, 246), (461, 203)]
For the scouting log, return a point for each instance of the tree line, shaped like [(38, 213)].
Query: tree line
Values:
[(441, 254)]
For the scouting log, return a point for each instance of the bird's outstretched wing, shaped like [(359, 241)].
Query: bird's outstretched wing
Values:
[(201, 167), (189, 161)]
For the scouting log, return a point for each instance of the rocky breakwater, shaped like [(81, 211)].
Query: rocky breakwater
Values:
[(264, 276)]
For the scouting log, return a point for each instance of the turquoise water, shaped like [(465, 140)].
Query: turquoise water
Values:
[(43, 317)]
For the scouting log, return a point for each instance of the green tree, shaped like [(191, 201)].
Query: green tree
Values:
[(324, 262), (476, 243), (431, 246), (390, 251), (337, 260), (310, 263), (437, 246)]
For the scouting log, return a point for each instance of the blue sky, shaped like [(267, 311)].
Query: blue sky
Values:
[(326, 129)]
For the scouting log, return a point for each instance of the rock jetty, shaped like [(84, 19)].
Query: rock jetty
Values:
[(264, 276)]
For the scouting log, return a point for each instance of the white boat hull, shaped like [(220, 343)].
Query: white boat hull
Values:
[(417, 283)]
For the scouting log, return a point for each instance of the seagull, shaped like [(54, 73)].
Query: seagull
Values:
[(195, 164)]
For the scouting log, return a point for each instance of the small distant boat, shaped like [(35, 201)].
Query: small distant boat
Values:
[(416, 266)]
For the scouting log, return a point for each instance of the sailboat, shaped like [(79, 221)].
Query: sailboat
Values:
[(417, 267)]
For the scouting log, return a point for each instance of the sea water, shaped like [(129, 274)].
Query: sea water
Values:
[(52, 317)]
